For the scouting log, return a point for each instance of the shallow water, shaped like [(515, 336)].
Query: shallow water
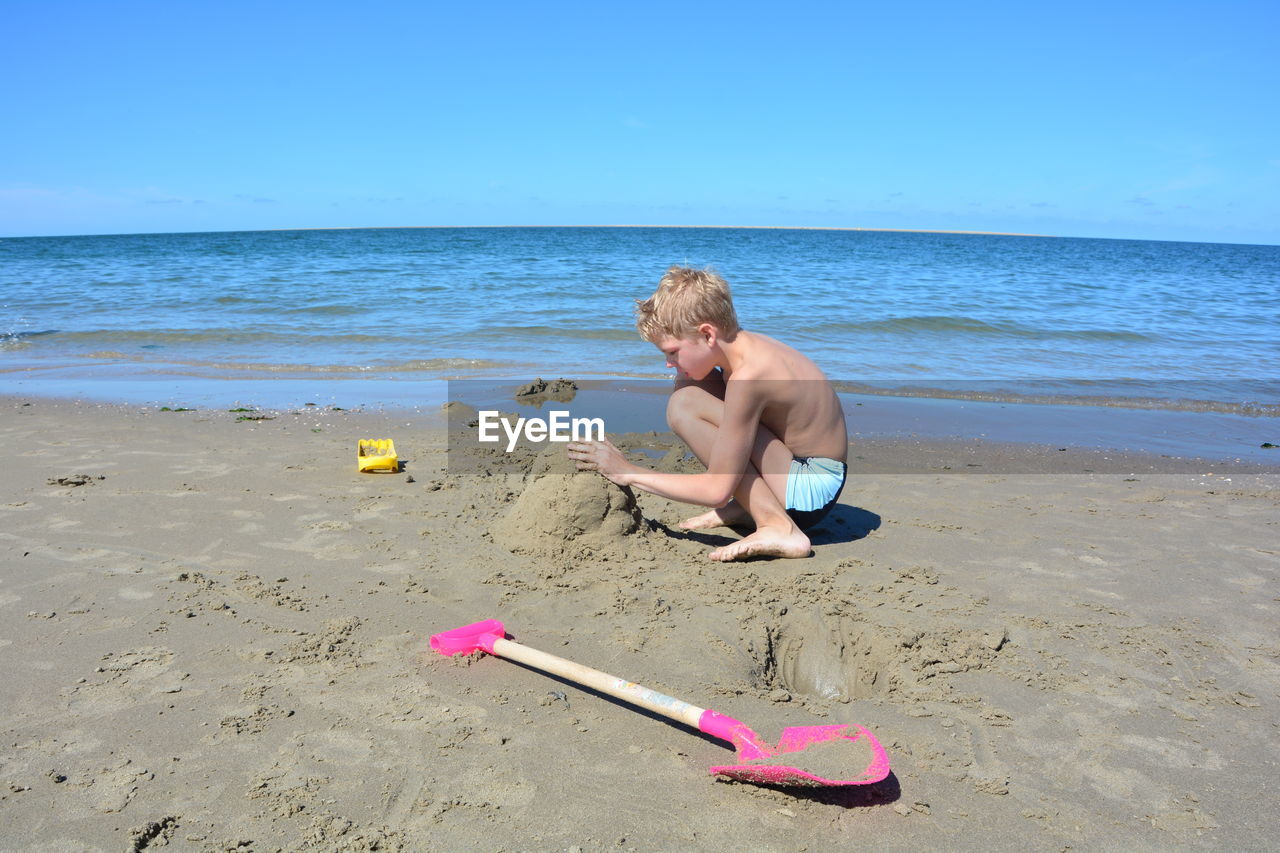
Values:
[(438, 302)]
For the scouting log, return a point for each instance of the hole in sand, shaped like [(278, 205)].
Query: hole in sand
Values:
[(834, 658), (841, 658)]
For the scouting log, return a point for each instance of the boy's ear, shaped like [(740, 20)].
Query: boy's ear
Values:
[(709, 333)]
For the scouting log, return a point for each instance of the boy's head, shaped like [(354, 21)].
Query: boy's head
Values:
[(685, 299)]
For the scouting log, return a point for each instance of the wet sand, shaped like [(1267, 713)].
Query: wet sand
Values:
[(217, 640)]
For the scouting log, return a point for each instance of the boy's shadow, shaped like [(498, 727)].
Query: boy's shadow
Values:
[(842, 524)]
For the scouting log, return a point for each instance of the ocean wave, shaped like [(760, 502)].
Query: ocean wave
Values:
[(157, 338), (429, 365), (22, 336), (330, 310), (1140, 398), (15, 340), (595, 334), (959, 324)]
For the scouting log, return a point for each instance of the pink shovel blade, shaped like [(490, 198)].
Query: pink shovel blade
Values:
[(813, 756)]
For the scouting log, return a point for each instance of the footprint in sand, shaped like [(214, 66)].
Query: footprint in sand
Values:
[(124, 679), (111, 788), (217, 469)]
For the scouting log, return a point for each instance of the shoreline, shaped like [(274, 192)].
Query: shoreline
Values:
[(900, 453), (628, 405)]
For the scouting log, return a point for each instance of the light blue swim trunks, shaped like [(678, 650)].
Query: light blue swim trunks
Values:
[(813, 486)]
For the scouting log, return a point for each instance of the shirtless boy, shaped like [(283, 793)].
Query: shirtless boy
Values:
[(761, 417)]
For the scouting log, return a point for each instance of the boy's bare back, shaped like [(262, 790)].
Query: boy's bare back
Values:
[(800, 406)]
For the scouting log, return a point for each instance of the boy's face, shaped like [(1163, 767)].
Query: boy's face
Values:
[(691, 357)]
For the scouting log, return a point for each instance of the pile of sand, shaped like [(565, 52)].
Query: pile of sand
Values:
[(562, 505), (541, 391)]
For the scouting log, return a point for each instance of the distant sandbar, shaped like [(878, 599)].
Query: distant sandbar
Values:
[(739, 227)]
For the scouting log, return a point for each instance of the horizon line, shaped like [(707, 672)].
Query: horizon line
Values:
[(631, 225), (724, 227), (687, 227)]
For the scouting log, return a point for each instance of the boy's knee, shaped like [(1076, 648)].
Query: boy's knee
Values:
[(682, 406)]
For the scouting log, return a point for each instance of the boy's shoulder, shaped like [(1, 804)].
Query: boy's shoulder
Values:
[(768, 358)]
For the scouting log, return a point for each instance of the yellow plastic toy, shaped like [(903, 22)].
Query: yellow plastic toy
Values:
[(377, 454)]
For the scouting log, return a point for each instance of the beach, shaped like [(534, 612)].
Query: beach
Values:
[(299, 362), (215, 637)]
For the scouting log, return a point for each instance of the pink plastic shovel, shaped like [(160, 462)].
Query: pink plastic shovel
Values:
[(849, 751)]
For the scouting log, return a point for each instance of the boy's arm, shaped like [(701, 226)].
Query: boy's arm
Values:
[(729, 456)]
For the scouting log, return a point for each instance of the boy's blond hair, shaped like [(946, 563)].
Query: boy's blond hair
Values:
[(685, 299)]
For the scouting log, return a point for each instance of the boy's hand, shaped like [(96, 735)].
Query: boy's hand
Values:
[(602, 457)]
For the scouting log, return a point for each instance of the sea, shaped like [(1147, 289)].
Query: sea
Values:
[(1160, 346)]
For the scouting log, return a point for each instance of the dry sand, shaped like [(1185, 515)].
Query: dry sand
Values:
[(217, 640)]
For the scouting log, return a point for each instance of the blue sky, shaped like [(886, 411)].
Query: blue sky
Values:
[(1120, 119)]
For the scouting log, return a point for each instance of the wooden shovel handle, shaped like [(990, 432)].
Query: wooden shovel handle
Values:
[(627, 691)]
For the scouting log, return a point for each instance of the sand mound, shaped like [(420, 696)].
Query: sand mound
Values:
[(562, 505), (541, 391)]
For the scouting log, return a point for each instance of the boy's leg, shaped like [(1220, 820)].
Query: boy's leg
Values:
[(687, 421), (694, 413), (729, 515)]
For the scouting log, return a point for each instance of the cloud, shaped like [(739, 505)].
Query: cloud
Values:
[(632, 121), (254, 199), (28, 192), (153, 194), (1140, 200), (1041, 204)]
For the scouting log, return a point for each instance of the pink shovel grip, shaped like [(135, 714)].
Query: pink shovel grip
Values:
[(736, 732), (469, 638)]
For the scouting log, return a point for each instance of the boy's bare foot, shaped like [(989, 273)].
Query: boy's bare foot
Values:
[(726, 516), (765, 542)]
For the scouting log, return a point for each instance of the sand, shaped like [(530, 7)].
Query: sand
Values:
[(213, 636)]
